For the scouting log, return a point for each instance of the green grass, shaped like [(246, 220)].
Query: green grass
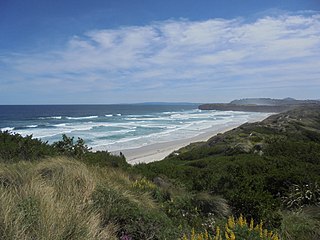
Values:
[(301, 225)]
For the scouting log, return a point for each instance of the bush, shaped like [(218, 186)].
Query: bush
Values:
[(134, 220), (14, 147), (105, 159), (67, 147), (233, 229), (301, 195)]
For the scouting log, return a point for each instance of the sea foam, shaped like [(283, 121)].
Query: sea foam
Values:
[(119, 130)]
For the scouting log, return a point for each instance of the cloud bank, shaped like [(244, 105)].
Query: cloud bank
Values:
[(175, 60)]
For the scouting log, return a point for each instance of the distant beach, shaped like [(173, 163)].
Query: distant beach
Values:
[(158, 151), (143, 133)]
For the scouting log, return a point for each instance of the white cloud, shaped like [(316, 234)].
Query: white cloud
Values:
[(270, 52)]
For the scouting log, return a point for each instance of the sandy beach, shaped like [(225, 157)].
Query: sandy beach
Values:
[(158, 151)]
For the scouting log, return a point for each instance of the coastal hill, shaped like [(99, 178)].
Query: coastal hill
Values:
[(259, 105), (257, 181), (265, 170)]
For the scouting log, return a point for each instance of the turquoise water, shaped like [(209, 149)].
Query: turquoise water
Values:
[(116, 127)]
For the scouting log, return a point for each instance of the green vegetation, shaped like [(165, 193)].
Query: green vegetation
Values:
[(260, 172), (14, 148), (260, 105), (233, 229), (261, 169)]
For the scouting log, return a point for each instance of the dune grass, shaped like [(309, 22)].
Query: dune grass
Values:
[(303, 224), (62, 198), (49, 200)]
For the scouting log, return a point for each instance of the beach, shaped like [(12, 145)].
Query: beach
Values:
[(158, 151), (143, 133)]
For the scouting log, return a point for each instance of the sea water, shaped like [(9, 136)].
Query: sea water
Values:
[(117, 127)]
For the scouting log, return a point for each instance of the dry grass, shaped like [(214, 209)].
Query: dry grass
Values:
[(302, 225), (49, 200), (121, 182)]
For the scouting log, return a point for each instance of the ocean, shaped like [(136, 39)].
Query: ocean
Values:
[(116, 127)]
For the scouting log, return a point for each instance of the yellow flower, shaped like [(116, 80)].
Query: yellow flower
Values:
[(227, 236), (265, 233), (260, 228), (251, 225), (270, 234), (231, 222), (200, 237), (184, 237), (232, 236), (206, 235), (242, 221), (227, 228), (193, 234), (218, 236), (257, 228)]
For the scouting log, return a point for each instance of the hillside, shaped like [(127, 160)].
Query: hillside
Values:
[(272, 101), (265, 174), (260, 105), (261, 169)]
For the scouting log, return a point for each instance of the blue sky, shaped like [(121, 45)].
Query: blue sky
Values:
[(126, 51)]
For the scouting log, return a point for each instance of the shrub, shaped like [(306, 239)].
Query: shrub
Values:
[(14, 147), (301, 195), (235, 229), (67, 147), (134, 220), (105, 159)]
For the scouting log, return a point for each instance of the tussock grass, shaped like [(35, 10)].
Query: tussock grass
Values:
[(61, 198), (302, 225), (122, 183), (49, 200)]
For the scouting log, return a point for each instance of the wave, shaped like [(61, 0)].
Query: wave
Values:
[(124, 131), (7, 129), (80, 118), (51, 117), (146, 118), (60, 125), (54, 132), (168, 112), (31, 126)]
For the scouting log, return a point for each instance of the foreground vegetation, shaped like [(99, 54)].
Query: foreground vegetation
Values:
[(258, 181)]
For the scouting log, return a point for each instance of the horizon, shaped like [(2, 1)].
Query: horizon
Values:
[(155, 103), (124, 52)]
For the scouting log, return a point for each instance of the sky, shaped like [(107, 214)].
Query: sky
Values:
[(129, 51)]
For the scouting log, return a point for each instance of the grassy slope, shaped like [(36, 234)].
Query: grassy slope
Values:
[(61, 198), (49, 200), (254, 166)]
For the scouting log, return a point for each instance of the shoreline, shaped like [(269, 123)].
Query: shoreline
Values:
[(158, 151)]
